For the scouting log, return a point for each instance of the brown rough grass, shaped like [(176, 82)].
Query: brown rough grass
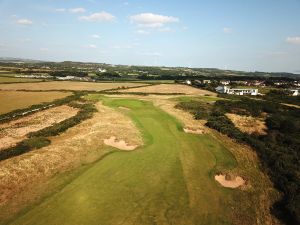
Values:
[(66, 85), (248, 124), (20, 176), (12, 100), (15, 131), (171, 88)]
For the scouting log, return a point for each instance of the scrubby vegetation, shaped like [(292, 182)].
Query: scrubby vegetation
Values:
[(278, 150), (39, 139), (24, 146)]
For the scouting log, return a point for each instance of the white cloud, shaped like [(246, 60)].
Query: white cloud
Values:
[(144, 32), (152, 20), (165, 29), (156, 54), (98, 17), (227, 30), (24, 39), (293, 40), (60, 10), (91, 46), (24, 22), (122, 47), (77, 10), (44, 49), (96, 36)]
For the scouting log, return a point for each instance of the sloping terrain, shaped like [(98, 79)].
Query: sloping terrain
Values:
[(167, 181)]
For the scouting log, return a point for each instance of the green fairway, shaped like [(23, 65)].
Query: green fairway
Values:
[(167, 181)]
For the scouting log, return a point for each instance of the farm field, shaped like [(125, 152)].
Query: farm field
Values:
[(169, 180), (12, 100), (16, 79), (170, 89), (67, 85)]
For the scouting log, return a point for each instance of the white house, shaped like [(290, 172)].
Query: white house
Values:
[(206, 81), (188, 82), (236, 91), (102, 70), (295, 92), (225, 82)]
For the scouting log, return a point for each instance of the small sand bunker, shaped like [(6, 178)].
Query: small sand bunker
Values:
[(229, 182), (121, 144), (193, 131)]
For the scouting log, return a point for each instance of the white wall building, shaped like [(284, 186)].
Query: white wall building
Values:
[(295, 92), (236, 91)]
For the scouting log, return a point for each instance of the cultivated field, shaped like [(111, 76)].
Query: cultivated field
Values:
[(12, 100), (16, 80), (170, 88), (67, 85)]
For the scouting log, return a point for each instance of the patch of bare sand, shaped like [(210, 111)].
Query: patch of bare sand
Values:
[(16, 130), (229, 182), (120, 144), (248, 124), (170, 88), (83, 143)]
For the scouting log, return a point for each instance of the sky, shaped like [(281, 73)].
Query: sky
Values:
[(248, 35)]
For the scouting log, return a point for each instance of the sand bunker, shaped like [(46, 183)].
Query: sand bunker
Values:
[(226, 181), (193, 131), (121, 144)]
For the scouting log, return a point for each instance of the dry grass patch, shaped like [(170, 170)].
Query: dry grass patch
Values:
[(15, 131), (171, 88), (12, 100), (17, 79), (67, 85), (190, 124), (19, 176), (248, 124)]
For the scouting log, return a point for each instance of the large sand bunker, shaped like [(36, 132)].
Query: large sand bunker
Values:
[(227, 181), (120, 144)]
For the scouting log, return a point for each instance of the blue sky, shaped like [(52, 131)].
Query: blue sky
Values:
[(245, 35)]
